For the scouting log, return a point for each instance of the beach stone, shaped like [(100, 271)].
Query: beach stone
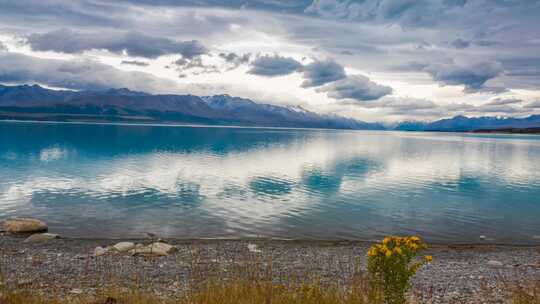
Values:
[(495, 263), (41, 237), (24, 225), (253, 248), (124, 246), (24, 282), (156, 249), (100, 251)]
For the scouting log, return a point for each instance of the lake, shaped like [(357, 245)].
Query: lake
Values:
[(97, 180)]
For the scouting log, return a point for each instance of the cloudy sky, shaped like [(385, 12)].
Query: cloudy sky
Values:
[(375, 60)]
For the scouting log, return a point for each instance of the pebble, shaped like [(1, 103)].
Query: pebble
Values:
[(24, 282), (495, 263), (253, 248), (41, 237), (76, 291), (99, 251), (155, 249)]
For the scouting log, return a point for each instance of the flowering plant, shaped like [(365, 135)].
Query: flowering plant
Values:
[(391, 265)]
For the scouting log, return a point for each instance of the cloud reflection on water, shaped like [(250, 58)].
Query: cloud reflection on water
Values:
[(198, 182)]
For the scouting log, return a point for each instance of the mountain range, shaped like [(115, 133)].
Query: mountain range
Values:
[(467, 124), (38, 103), (33, 102)]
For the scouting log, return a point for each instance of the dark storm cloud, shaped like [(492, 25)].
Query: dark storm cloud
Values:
[(133, 43), (357, 87), (75, 74), (135, 62), (472, 76), (195, 65), (274, 66), (460, 43), (235, 60), (320, 72), (486, 43), (406, 12)]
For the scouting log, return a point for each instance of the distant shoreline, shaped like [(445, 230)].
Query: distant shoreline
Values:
[(171, 124), (534, 131), (509, 131)]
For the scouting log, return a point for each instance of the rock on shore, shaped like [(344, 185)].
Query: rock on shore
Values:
[(41, 237), (24, 225), (156, 249), (124, 246)]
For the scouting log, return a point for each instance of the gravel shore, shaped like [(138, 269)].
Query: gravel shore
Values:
[(458, 274)]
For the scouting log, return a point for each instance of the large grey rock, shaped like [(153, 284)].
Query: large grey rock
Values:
[(24, 225), (124, 246), (41, 237)]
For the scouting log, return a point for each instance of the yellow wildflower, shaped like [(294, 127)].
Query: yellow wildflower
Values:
[(428, 258)]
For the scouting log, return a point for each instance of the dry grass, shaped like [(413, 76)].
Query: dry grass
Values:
[(212, 292), (236, 292), (250, 281), (527, 295)]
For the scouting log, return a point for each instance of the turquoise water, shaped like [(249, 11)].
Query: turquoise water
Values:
[(92, 180)]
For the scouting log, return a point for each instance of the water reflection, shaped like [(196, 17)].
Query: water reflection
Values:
[(112, 181)]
